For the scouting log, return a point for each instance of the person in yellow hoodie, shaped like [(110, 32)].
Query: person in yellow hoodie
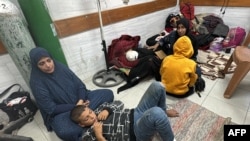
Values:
[(178, 71)]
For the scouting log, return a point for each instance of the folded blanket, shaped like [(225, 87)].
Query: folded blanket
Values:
[(212, 64)]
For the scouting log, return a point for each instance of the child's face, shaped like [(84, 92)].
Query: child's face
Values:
[(181, 29), (87, 118)]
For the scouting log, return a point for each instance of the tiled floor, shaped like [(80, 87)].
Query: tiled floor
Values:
[(212, 98)]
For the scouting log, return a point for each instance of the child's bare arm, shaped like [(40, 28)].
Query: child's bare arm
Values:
[(97, 127)]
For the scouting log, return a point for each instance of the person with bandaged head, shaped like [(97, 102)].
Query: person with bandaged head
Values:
[(170, 25)]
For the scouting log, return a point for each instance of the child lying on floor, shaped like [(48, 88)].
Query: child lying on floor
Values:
[(110, 121)]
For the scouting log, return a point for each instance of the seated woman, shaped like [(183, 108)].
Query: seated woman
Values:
[(166, 43), (57, 90), (178, 72)]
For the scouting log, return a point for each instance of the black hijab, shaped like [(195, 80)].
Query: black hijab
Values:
[(186, 23)]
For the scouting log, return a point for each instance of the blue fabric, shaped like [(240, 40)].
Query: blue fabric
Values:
[(150, 115), (57, 93)]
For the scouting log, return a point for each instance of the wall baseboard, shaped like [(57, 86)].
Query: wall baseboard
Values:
[(70, 26)]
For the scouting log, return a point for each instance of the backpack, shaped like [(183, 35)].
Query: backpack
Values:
[(187, 10), (118, 48), (234, 37)]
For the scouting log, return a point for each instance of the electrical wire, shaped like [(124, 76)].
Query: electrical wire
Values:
[(222, 7), (225, 7)]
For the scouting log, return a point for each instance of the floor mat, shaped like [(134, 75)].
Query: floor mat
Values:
[(196, 123)]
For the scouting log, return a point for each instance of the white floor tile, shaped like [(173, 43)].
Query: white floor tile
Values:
[(225, 109), (32, 130), (247, 120), (240, 98), (50, 136), (196, 99)]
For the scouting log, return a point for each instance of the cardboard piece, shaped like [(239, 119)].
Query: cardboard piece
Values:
[(161, 54)]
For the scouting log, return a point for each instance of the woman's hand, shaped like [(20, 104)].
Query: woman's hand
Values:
[(86, 102), (103, 115), (83, 102)]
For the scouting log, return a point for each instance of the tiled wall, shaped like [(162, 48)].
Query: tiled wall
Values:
[(83, 49), (9, 75)]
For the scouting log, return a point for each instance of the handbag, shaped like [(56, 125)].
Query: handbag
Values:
[(18, 109)]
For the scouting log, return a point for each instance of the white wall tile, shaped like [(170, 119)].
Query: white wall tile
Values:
[(65, 9), (84, 51)]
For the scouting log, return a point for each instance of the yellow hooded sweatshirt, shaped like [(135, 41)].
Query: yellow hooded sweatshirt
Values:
[(178, 72)]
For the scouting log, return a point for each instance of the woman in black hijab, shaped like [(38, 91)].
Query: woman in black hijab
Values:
[(167, 43)]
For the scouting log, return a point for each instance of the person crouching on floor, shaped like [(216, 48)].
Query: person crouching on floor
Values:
[(178, 72)]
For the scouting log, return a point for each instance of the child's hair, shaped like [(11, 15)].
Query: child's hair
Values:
[(76, 113)]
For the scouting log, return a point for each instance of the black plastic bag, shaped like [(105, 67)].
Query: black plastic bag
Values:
[(200, 85)]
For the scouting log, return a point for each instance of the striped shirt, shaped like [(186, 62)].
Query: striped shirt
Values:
[(116, 127)]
